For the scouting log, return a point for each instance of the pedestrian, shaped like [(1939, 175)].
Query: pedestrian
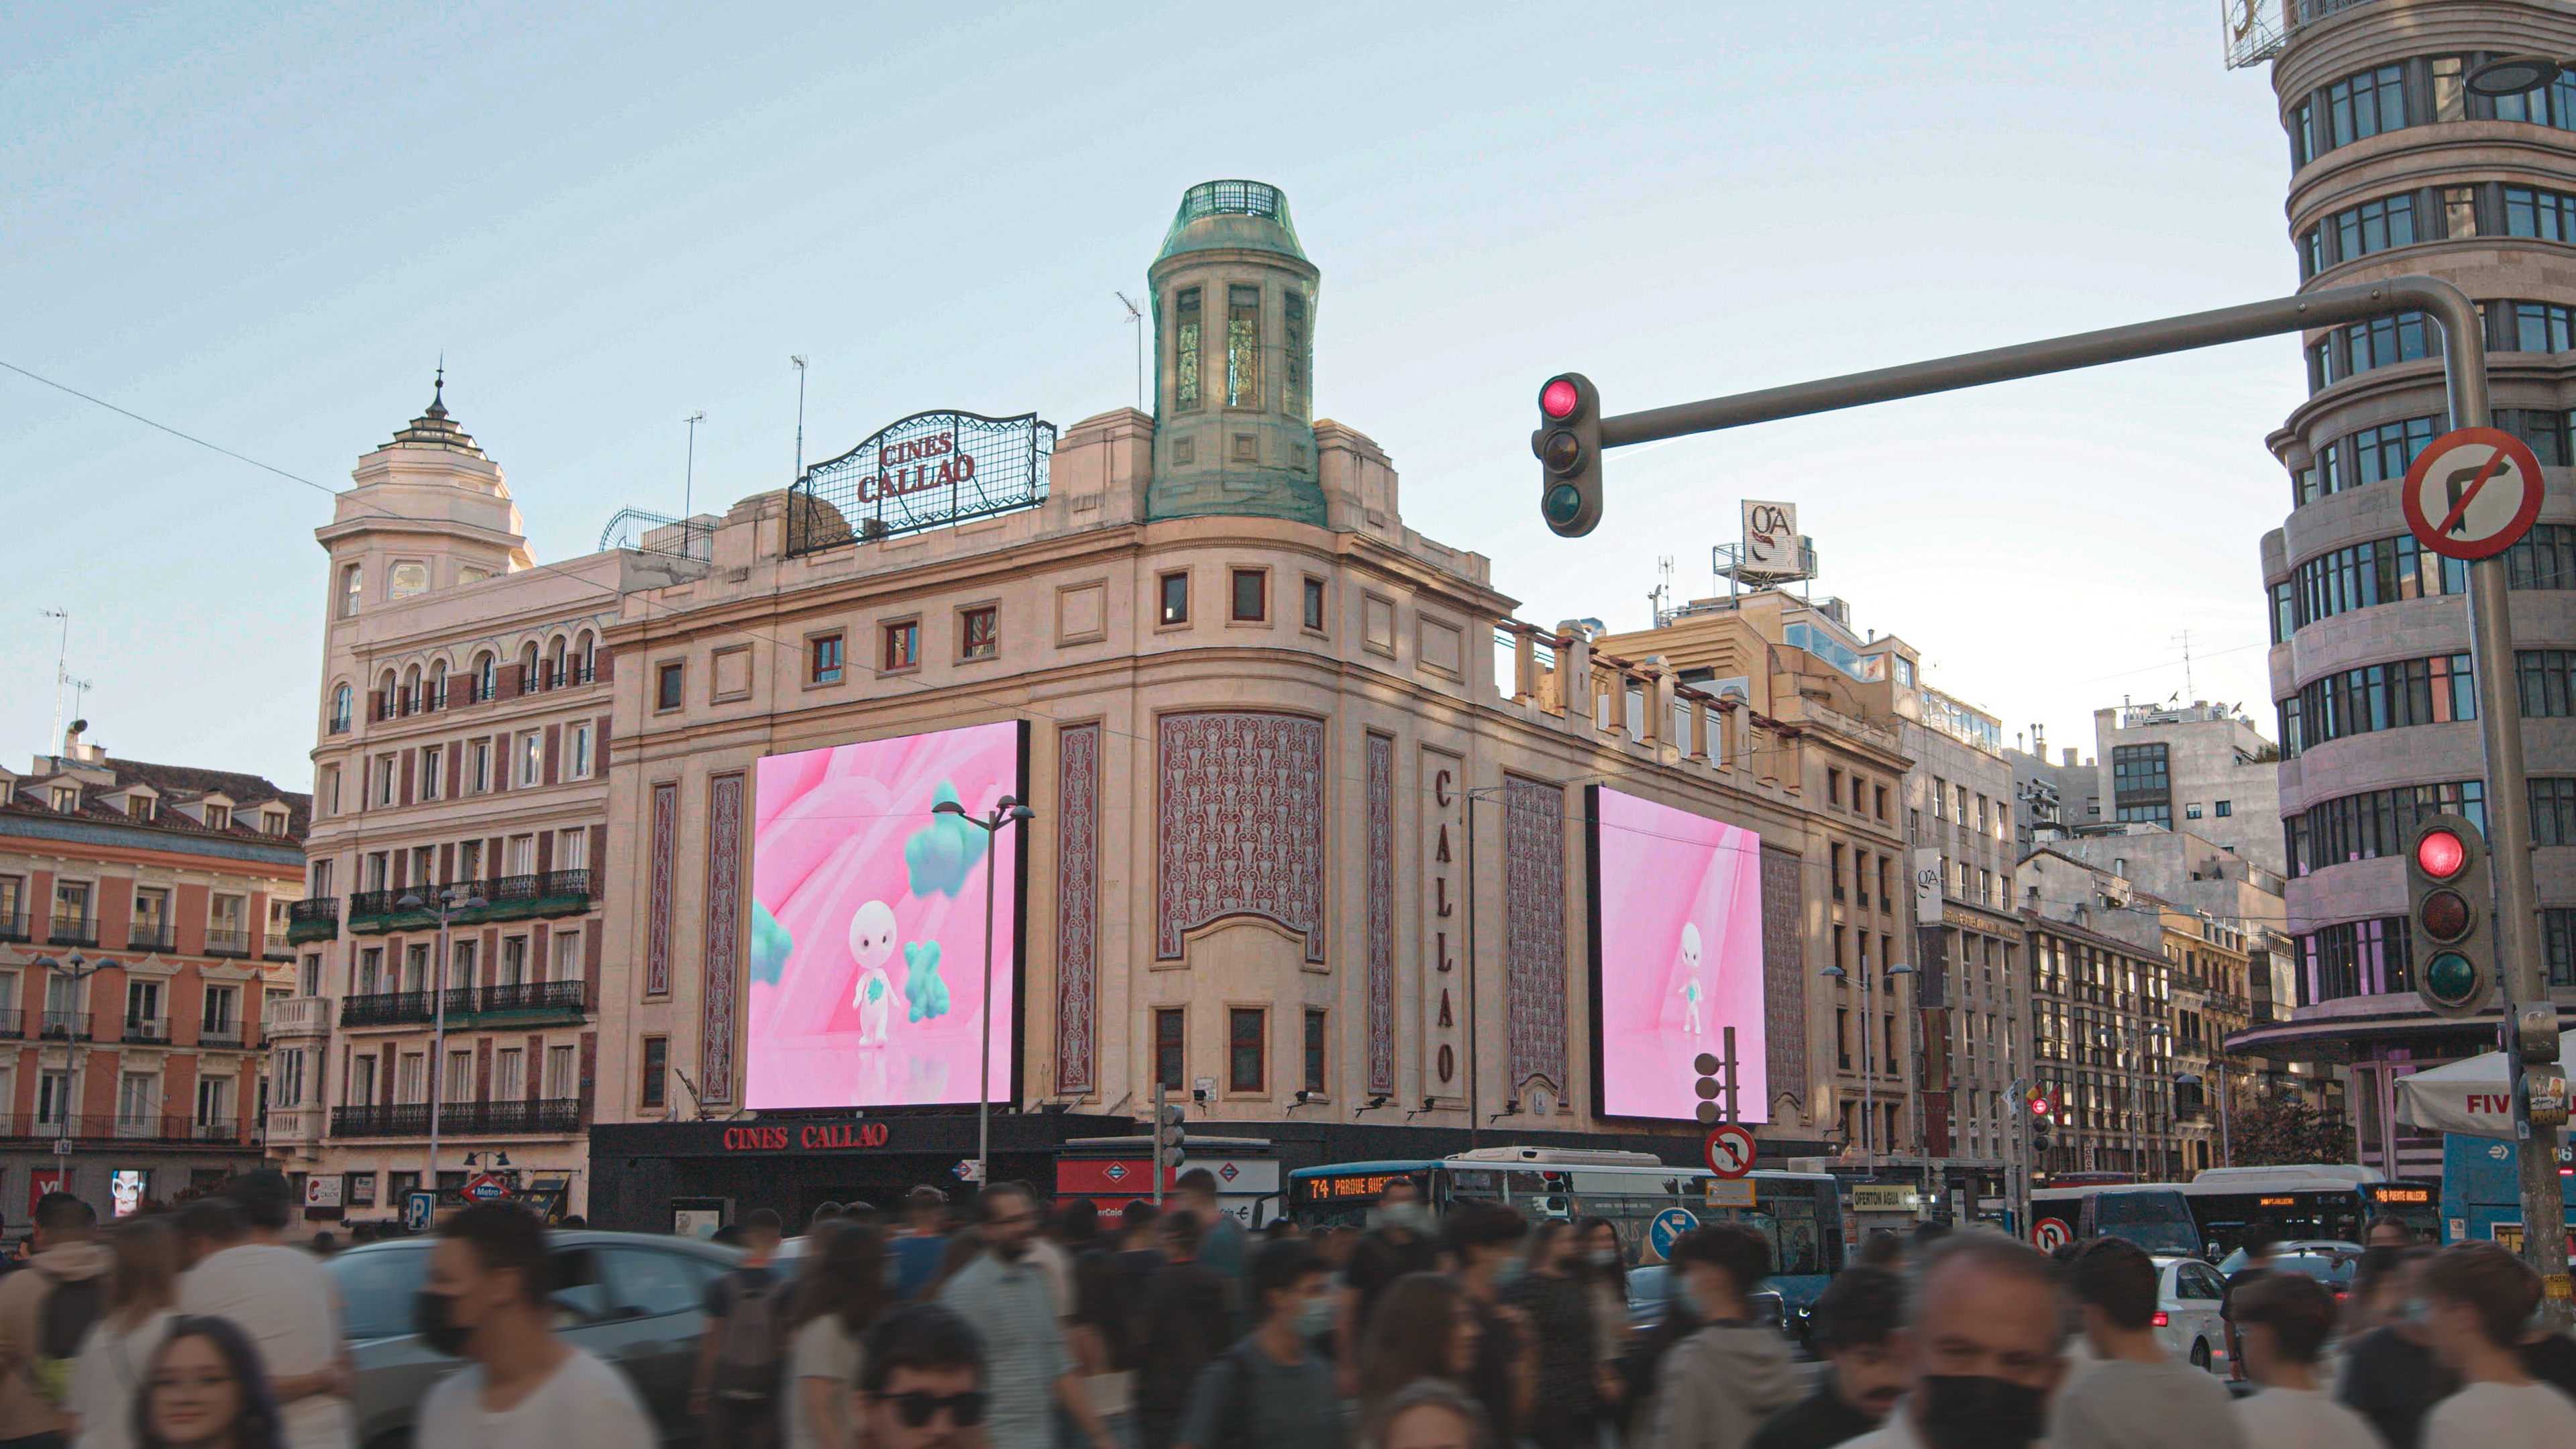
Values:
[(2390, 1375), (2478, 1299), (1185, 1324), (1421, 1329), (1881, 1249), (1270, 1390), (486, 1301), (2284, 1321), (923, 1243), (1397, 1244), (46, 1308), (204, 1388), (742, 1350), (1718, 1385), (240, 1268), (829, 1212), (2373, 1299), (1854, 1329), (1556, 1302), (1102, 1317), (2261, 1244), (2388, 1231), (839, 1297), (1224, 1248), (1429, 1414), (1605, 1272), (921, 1380), (1027, 1368), (1482, 1237), (1984, 1328), (2138, 1396), (116, 1355)]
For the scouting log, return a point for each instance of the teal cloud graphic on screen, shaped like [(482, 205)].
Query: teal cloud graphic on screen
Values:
[(939, 854)]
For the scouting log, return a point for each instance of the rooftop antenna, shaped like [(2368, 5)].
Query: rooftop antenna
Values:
[(1136, 319), (798, 359), (689, 481), (1662, 597), (2185, 639), (62, 673)]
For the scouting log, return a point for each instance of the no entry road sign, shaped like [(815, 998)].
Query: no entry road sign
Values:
[(1729, 1149), (2472, 493)]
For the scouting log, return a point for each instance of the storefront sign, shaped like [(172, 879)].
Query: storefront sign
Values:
[(1876, 1198), (927, 470), (809, 1137)]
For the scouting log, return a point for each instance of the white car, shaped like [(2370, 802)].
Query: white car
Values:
[(2188, 1294)]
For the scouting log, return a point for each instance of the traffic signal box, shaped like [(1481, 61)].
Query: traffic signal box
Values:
[(2043, 1110), (2449, 907), (1568, 445)]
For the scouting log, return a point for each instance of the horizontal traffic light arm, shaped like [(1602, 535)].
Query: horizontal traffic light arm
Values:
[(2328, 307)]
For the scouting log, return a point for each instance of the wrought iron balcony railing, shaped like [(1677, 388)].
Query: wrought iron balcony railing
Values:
[(223, 941), (551, 1116), (149, 936)]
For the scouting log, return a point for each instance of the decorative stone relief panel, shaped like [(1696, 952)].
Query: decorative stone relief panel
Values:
[(1077, 906), (1534, 929), (1381, 913), (724, 933), (1240, 819), (1784, 973), (657, 928)]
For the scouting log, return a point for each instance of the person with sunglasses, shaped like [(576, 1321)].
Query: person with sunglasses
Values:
[(921, 1380)]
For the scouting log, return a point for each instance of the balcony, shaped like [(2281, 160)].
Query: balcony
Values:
[(67, 930), (65, 1026), (314, 919), (223, 941), (230, 1035), (147, 1031), (13, 1024), (275, 948), (298, 1016), (124, 1127), (546, 998), (296, 1124), (13, 926), (550, 1117), (564, 1000), (149, 936), (505, 898)]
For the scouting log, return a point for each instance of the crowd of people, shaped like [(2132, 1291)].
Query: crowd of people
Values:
[(1027, 1325)]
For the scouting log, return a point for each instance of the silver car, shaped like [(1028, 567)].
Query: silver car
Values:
[(631, 1299)]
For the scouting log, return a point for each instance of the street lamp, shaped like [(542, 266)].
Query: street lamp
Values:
[(452, 901), (78, 969), (1006, 810), (1868, 1080), (2514, 75)]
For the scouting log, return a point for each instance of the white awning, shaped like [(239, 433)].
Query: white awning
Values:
[(2472, 1096)]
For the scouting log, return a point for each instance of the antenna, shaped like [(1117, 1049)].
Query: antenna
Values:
[(1136, 318), (62, 673), (2184, 638), (1662, 597), (798, 360), (689, 480)]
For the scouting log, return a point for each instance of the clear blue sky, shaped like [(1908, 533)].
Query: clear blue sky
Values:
[(261, 225)]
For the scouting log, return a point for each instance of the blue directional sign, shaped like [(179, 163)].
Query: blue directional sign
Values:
[(1667, 1229)]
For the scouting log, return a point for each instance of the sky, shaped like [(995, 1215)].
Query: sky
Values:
[(264, 226)]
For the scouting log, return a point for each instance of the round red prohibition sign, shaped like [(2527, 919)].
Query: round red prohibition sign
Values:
[(2472, 493), (2051, 1234), (1730, 1149)]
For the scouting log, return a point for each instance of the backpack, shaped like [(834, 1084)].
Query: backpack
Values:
[(751, 1343), (61, 1324)]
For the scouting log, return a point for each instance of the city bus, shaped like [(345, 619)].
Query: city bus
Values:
[(2303, 1202), (1800, 1212)]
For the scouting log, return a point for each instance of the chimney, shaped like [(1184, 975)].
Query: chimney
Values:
[(2070, 754), (76, 752)]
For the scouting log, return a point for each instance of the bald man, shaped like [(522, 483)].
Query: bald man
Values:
[(1983, 1345)]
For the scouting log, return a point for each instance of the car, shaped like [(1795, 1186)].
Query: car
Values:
[(1650, 1287), (2297, 1248), (2187, 1321), (634, 1300)]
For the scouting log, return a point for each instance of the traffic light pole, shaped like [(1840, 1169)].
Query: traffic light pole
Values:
[(2490, 622)]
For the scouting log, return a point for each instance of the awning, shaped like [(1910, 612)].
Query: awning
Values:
[(2473, 1097)]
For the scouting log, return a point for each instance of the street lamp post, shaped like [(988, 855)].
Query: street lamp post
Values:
[(78, 969), (1006, 810), (452, 900), (1868, 1078)]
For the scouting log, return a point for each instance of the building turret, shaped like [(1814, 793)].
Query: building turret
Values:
[(1234, 328)]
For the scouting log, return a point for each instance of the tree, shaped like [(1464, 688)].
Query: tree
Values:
[(2286, 1128)]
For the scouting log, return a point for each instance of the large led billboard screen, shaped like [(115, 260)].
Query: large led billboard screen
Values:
[(1677, 956), (867, 935)]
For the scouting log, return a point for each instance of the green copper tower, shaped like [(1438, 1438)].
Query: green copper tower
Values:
[(1234, 370)]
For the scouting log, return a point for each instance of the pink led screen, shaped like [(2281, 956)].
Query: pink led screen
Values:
[(867, 928), (1678, 919)]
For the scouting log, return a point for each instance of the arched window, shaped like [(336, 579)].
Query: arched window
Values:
[(353, 582), (555, 663), (528, 667), (437, 685), (385, 696), (586, 651), (484, 669), (340, 710), (411, 701)]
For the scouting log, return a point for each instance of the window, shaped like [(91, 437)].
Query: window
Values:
[(2374, 823), (655, 1090), (670, 686), (1168, 1066), (2532, 212), (978, 633), (2439, 690), (458, 1083), (2535, 327), (406, 579), (1245, 1069), (532, 756), (2303, 133), (1842, 1037), (2545, 429), (1836, 870), (359, 1088), (309, 980), (823, 659), (143, 1010), (411, 1078), (2459, 211), (577, 738), (2224, 809), (478, 767), (1833, 787), (2363, 105), (2141, 784), (340, 706), (2450, 97), (572, 848), (1313, 617), (1251, 596), (360, 1190), (2373, 226), (1243, 347), (1175, 599), (433, 771), (1314, 1049), (514, 962), (415, 972), (1293, 354), (353, 578), (2191, 812), (137, 1094), (1186, 348), (562, 1083), (1880, 792), (903, 645), (219, 817), (510, 1074), (2384, 341)]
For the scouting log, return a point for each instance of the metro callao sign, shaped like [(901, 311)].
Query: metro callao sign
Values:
[(809, 1137), (927, 470)]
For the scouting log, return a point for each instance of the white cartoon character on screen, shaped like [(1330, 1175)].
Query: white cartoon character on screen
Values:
[(1690, 989), (872, 943)]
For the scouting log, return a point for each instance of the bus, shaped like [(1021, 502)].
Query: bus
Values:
[(1800, 1212), (2212, 1215), (2482, 1190)]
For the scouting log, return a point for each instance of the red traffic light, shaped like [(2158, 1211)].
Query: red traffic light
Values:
[(1560, 399), (2039, 1104), (2440, 854)]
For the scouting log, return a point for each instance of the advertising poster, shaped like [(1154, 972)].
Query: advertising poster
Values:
[(867, 928), (126, 1188), (1679, 921)]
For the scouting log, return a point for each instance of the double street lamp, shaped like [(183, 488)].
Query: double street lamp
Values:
[(450, 902), (1007, 810), (1868, 1080)]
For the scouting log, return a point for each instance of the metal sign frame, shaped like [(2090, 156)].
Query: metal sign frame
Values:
[(925, 471)]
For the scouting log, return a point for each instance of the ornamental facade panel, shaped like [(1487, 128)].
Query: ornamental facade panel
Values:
[(1534, 931), (1240, 811), (1077, 907)]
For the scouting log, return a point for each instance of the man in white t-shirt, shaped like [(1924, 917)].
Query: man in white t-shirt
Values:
[(2478, 1300), (2282, 1320), (240, 1268), (524, 1388)]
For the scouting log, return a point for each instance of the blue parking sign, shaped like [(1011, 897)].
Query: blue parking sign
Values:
[(417, 1207), (1668, 1227)]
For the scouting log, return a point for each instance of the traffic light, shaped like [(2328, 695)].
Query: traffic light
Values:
[(2447, 897), (1708, 1086), (1568, 445)]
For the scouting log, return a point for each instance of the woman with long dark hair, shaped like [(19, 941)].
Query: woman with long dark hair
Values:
[(1422, 1327), (1553, 1292), (206, 1389), (841, 1294), (142, 1284)]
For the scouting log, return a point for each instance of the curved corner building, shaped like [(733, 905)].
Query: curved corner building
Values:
[(2397, 168)]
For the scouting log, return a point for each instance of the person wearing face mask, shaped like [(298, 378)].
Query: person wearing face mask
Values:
[(1557, 1300), (1028, 1367), (2283, 1320), (1270, 1391), (2138, 1396), (1855, 1330), (1398, 1242), (921, 1380), (2478, 1301), (522, 1387), (1714, 1388), (2389, 1375), (1983, 1347)]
